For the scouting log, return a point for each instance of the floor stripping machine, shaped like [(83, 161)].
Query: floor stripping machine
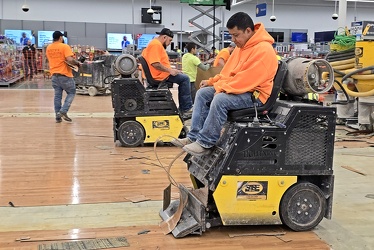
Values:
[(142, 112), (272, 165)]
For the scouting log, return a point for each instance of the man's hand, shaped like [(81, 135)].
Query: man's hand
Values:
[(203, 83), (174, 72)]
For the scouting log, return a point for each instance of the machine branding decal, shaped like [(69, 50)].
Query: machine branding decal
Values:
[(164, 124), (258, 153), (359, 53), (252, 190)]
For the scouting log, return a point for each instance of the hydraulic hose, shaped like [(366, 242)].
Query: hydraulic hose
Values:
[(347, 61), (358, 94), (358, 71)]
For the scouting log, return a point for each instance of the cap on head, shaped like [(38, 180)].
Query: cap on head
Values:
[(57, 34), (166, 31)]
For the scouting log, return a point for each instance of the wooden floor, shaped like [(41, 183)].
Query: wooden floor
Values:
[(43, 163)]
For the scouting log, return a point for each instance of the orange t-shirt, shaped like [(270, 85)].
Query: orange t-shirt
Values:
[(56, 54), (154, 53), (224, 54)]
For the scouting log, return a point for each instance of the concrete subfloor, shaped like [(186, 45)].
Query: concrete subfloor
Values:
[(351, 227)]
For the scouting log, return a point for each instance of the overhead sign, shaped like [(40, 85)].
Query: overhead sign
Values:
[(261, 9)]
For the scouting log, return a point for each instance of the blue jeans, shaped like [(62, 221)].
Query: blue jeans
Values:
[(61, 83), (184, 91), (210, 114)]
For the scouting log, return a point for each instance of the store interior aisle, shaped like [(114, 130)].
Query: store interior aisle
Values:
[(74, 176)]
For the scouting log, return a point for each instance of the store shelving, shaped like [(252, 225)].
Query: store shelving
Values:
[(11, 62)]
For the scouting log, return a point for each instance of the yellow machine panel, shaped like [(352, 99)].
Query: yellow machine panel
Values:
[(156, 126), (364, 52), (251, 200)]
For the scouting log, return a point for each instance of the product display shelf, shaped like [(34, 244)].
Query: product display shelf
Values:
[(10, 62)]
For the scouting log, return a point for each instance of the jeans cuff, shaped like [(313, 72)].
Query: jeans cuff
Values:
[(203, 145)]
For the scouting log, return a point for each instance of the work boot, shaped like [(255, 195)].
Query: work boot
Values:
[(58, 118), (65, 116), (196, 150), (180, 143), (187, 114)]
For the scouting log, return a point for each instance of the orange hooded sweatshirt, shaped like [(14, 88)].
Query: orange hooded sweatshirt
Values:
[(250, 68)]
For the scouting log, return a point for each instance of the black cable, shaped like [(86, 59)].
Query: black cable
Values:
[(345, 93), (358, 71), (341, 58), (108, 77), (339, 72)]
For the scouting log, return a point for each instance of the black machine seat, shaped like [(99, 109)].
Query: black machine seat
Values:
[(153, 84), (243, 114)]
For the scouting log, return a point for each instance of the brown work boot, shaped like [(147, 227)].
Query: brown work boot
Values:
[(65, 117)]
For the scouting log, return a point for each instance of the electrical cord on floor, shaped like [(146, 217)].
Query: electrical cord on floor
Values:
[(168, 168)]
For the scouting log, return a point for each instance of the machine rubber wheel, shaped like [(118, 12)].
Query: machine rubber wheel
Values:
[(184, 132), (302, 206), (92, 91), (131, 134)]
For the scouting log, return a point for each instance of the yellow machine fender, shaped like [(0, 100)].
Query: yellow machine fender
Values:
[(251, 200), (157, 126)]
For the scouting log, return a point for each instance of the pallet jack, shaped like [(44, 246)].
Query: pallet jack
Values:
[(272, 165), (143, 114)]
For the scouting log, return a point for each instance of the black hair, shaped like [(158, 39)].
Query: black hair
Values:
[(190, 46), (240, 20)]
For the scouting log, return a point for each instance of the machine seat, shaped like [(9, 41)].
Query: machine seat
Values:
[(245, 114), (153, 84)]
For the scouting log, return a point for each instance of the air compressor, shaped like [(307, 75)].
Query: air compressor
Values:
[(354, 74)]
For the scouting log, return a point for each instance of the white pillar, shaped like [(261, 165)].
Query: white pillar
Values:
[(342, 20)]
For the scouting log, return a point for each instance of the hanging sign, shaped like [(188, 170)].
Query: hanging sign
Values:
[(261, 9)]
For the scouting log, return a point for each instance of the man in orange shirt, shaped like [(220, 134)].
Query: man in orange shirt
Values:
[(58, 54), (224, 55), (159, 65), (251, 67)]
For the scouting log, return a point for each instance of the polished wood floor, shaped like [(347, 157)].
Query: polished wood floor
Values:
[(43, 163)]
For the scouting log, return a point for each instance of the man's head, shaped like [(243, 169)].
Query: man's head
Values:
[(125, 38), (23, 34), (241, 28), (191, 48), (231, 47), (29, 42), (165, 37), (58, 36)]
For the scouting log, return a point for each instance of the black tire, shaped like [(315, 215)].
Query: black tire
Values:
[(302, 207), (131, 134), (184, 132)]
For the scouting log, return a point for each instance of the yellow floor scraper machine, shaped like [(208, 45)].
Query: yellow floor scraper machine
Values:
[(272, 165), (142, 112)]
